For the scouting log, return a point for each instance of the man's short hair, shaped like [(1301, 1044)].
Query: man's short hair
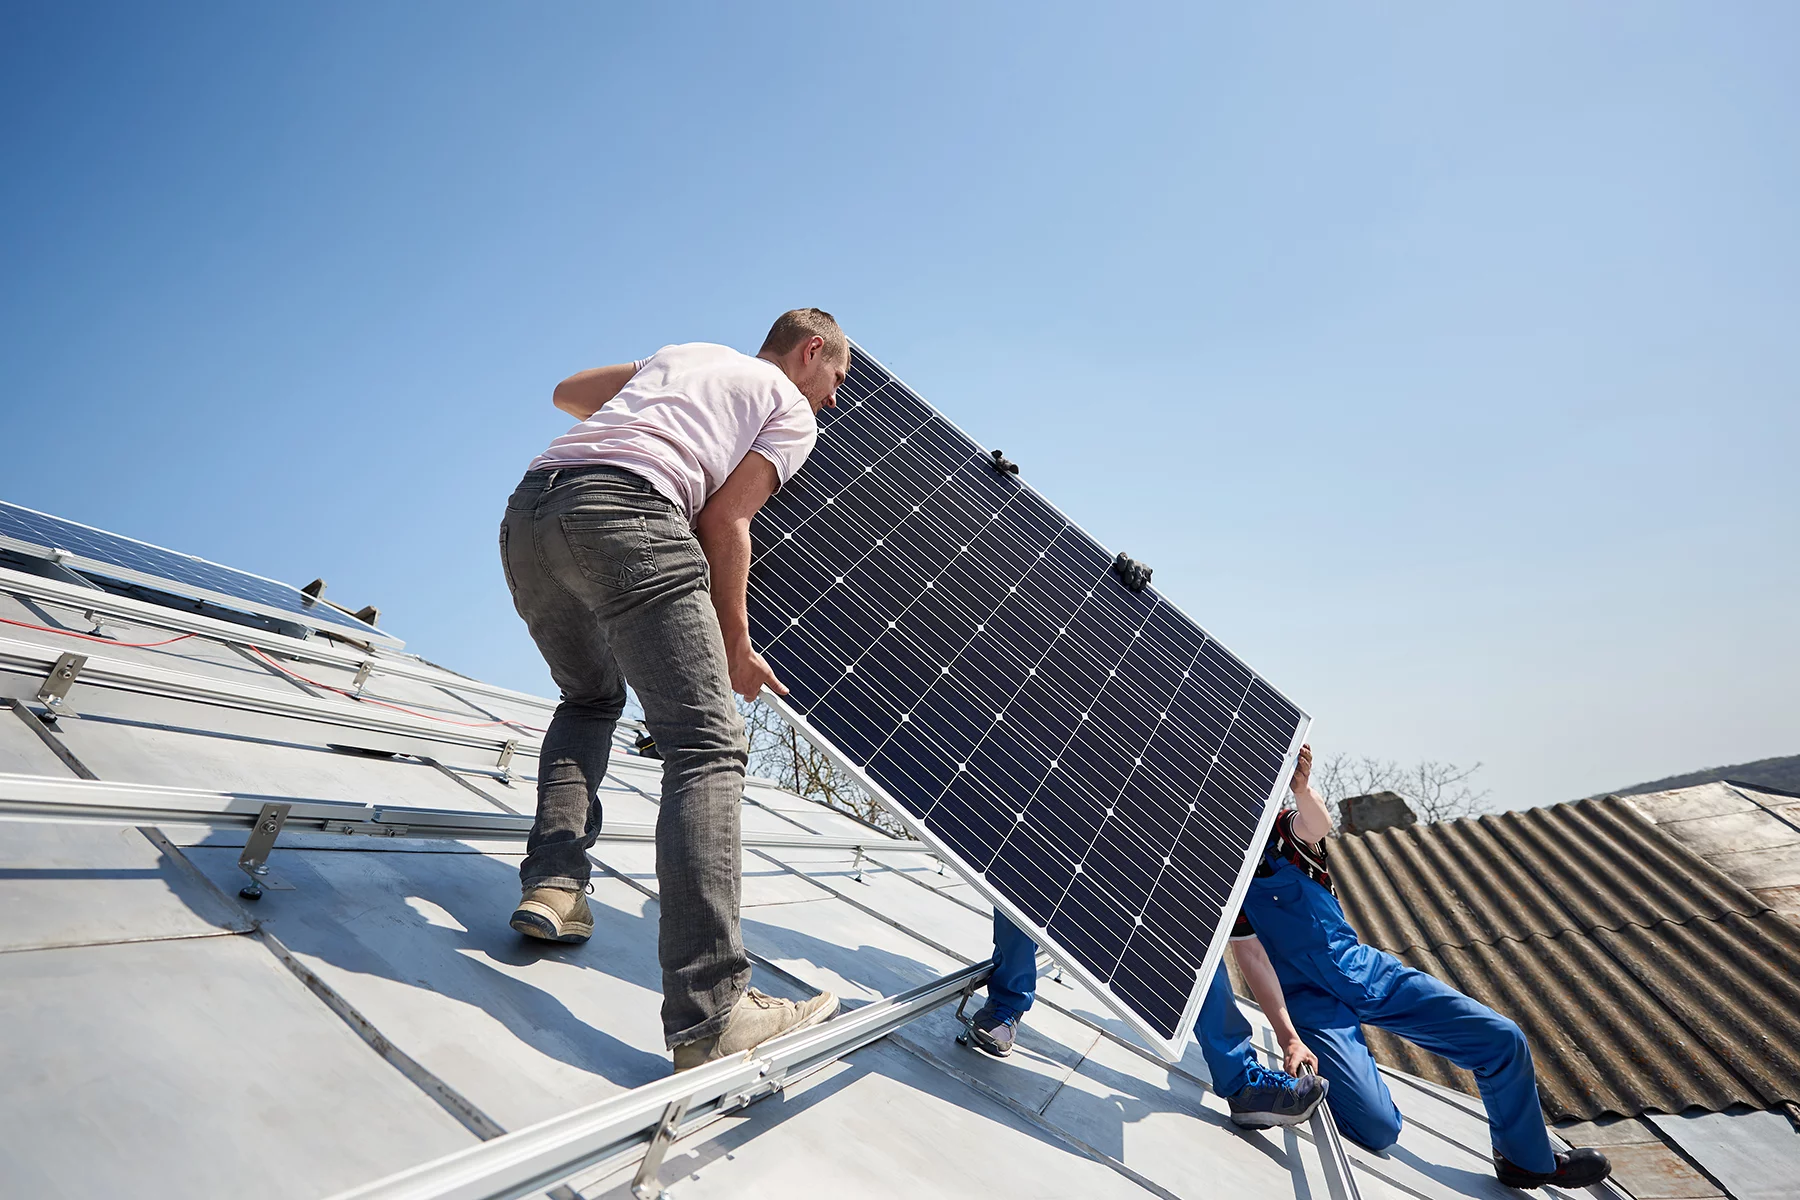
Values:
[(795, 326)]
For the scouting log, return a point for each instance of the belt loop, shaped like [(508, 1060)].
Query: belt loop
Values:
[(551, 482)]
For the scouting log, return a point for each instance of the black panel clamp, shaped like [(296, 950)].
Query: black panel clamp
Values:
[(1134, 574), (1003, 464)]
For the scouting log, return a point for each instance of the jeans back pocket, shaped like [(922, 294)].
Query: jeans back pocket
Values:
[(612, 549)]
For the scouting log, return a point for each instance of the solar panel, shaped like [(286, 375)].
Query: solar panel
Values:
[(96, 552), (1095, 763)]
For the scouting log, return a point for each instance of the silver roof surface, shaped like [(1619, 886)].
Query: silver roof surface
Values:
[(161, 1037)]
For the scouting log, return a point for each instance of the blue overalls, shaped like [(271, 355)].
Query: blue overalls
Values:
[(1334, 984), (1223, 1032)]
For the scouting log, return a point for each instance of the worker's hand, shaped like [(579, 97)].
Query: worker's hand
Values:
[(1302, 771), (750, 675), (1295, 1055)]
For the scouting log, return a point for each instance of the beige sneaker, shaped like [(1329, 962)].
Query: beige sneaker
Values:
[(554, 914), (755, 1020)]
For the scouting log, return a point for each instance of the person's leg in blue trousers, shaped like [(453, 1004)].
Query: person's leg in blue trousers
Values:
[(1360, 1102), (1224, 1037), (1014, 981), (1435, 1016)]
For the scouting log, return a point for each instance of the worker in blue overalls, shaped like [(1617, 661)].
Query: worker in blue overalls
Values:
[(1333, 985), (1259, 1097)]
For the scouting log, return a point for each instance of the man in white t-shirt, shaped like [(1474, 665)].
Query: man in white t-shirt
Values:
[(627, 550)]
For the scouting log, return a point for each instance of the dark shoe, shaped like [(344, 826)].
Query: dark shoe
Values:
[(1271, 1097), (993, 1027), (1577, 1168), (755, 1020), (554, 914)]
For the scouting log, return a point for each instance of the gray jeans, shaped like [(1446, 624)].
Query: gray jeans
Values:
[(614, 587)]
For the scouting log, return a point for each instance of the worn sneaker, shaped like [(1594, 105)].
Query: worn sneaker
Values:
[(554, 914), (1270, 1097), (755, 1020), (1578, 1168), (993, 1028)]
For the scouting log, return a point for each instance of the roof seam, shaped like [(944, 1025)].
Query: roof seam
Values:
[(1538, 934)]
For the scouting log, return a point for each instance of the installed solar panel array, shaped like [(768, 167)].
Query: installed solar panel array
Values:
[(97, 552), (1097, 764)]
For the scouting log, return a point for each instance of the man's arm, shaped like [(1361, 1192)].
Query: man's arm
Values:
[(584, 393), (723, 528), (1259, 973), (1312, 820)]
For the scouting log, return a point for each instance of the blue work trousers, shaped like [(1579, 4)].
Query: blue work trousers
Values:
[(1334, 985), (1223, 1032)]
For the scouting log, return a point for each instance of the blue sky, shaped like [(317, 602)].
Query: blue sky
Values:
[(1441, 361)]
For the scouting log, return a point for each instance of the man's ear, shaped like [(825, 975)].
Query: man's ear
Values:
[(815, 346)]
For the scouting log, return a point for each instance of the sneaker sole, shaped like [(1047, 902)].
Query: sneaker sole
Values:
[(535, 920), (1277, 1120), (1532, 1185)]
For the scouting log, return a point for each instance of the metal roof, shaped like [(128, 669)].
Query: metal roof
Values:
[(1646, 979), (373, 1012), (1750, 833)]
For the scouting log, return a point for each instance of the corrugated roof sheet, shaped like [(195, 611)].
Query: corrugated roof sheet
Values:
[(1645, 978)]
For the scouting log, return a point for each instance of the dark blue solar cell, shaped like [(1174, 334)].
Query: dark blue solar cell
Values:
[(1272, 716), (1032, 874), (1087, 749), (180, 574)]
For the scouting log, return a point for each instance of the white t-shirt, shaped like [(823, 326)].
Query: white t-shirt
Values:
[(687, 418)]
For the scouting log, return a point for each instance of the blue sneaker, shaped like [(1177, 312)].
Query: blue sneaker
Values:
[(1270, 1097), (992, 1029)]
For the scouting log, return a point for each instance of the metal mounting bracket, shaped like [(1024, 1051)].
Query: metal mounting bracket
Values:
[(254, 861), (644, 1185), (967, 1022), (362, 677), (54, 692), (505, 764), (856, 866)]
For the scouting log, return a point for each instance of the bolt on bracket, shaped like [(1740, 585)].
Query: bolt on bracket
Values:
[(53, 693), (644, 1184), (506, 757), (254, 861)]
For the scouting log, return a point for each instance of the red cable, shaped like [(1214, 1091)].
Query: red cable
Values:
[(384, 704), (88, 637)]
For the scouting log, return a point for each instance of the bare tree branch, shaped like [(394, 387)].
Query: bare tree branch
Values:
[(1437, 791), (778, 752)]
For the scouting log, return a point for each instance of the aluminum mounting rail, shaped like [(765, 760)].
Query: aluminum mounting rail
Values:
[(48, 798), (534, 1159), (98, 670), (1340, 1178), (156, 616)]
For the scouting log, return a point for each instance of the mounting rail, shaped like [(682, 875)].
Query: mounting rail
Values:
[(125, 675), (156, 616), (534, 1159), (48, 798)]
